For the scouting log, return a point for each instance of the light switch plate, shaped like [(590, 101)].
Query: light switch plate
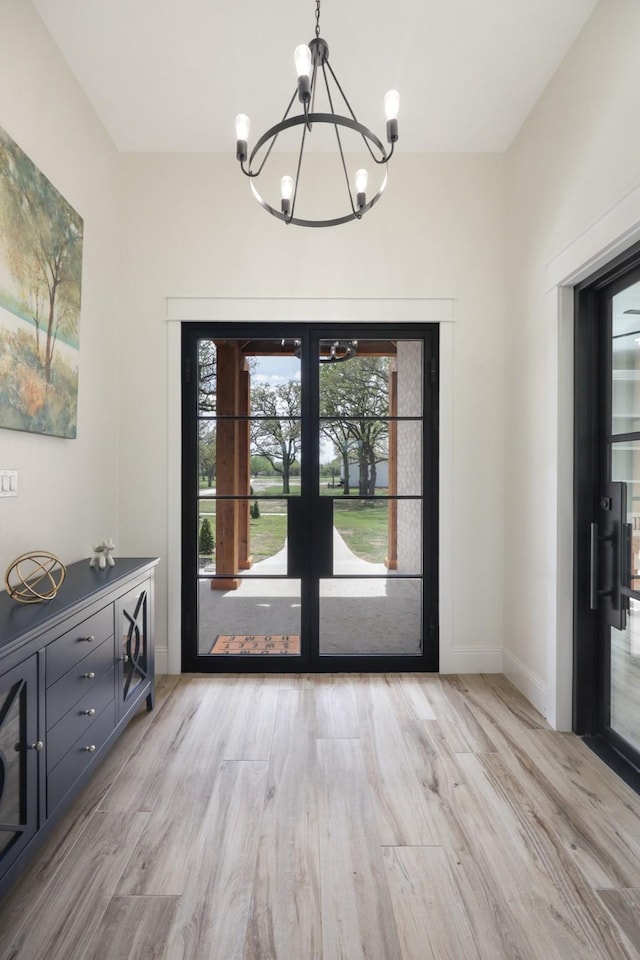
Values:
[(8, 483)]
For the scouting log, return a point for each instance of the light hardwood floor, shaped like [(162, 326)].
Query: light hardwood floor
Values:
[(395, 817)]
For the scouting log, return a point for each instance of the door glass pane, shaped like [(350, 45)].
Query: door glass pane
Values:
[(371, 617), (625, 360), (12, 753), (625, 466), (625, 644), (248, 467), (371, 458), (258, 617), (377, 537), (625, 677), (380, 378), (242, 537)]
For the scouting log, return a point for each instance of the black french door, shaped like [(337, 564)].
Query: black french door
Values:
[(607, 527), (309, 497)]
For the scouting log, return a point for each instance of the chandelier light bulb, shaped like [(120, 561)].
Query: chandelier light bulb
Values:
[(286, 192), (242, 127), (361, 181), (302, 59), (391, 104)]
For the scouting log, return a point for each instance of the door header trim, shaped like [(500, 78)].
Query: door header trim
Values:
[(309, 310)]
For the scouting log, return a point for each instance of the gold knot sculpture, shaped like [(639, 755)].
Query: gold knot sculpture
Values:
[(34, 577)]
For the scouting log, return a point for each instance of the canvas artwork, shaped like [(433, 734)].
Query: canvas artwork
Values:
[(40, 285)]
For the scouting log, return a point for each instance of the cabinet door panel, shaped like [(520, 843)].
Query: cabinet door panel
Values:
[(18, 759), (135, 659)]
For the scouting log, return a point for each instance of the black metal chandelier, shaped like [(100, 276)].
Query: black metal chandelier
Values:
[(312, 61)]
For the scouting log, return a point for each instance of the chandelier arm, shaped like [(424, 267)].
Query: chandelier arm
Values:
[(298, 120), (385, 156), (295, 188), (313, 86), (335, 127), (331, 118), (248, 173), (337, 83)]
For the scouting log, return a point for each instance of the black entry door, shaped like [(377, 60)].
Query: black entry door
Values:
[(309, 497), (607, 703)]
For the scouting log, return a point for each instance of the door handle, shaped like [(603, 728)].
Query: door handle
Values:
[(594, 592), (593, 568), (295, 538), (324, 536)]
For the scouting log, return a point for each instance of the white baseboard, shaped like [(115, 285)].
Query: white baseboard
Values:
[(161, 660), (527, 682), (471, 660)]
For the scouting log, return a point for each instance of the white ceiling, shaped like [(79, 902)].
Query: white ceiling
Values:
[(170, 75)]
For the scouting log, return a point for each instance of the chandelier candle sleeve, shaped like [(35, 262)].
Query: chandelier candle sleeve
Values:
[(286, 191), (362, 177), (391, 109), (242, 136)]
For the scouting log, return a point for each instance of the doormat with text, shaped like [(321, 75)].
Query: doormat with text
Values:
[(254, 645)]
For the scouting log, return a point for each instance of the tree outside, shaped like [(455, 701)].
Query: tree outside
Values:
[(207, 451), (275, 427), (353, 395), (206, 542)]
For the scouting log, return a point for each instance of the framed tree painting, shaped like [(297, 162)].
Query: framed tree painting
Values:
[(40, 285)]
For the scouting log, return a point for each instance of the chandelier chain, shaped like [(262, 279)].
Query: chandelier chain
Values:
[(317, 18)]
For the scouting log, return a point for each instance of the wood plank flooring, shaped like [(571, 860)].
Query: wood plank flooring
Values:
[(363, 817)]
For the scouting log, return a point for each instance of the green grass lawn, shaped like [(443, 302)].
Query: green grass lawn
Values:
[(362, 523), (267, 535)]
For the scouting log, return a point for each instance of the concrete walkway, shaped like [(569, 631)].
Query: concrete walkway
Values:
[(379, 614)]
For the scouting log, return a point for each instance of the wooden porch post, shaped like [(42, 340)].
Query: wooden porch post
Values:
[(244, 467), (391, 560), (227, 465)]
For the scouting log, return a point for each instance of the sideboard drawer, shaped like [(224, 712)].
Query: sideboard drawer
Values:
[(61, 779), (78, 682), (79, 719), (76, 644)]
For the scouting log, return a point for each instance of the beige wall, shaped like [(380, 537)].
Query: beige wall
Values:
[(192, 228), (575, 160), (68, 489)]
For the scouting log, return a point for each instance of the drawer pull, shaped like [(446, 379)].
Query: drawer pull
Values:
[(124, 659), (88, 639), (90, 749), (89, 713), (89, 676), (37, 746)]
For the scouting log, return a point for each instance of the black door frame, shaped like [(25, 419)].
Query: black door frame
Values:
[(592, 419), (310, 660)]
